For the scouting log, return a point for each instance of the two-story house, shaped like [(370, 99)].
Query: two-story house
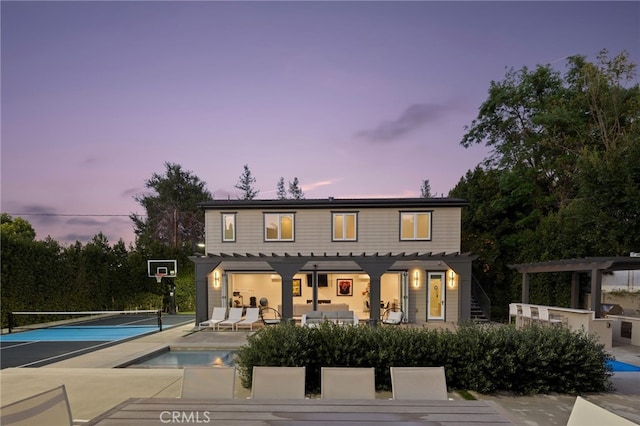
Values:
[(364, 254)]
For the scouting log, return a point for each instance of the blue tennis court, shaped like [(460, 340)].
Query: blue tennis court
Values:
[(78, 334), (42, 346)]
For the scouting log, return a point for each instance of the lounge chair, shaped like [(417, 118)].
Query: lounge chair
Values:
[(219, 314), (585, 413), (47, 408), (208, 382), (235, 316), (270, 316), (278, 383), (348, 383), (251, 317), (419, 383)]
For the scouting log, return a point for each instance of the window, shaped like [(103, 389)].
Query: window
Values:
[(278, 227), (415, 225), (228, 226), (344, 226)]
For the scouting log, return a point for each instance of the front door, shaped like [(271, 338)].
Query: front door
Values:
[(435, 296)]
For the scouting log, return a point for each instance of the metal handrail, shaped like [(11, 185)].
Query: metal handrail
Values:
[(482, 297)]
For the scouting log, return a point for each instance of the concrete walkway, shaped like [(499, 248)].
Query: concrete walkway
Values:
[(95, 386)]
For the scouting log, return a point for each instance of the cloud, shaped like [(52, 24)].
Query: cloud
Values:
[(315, 185), (414, 117)]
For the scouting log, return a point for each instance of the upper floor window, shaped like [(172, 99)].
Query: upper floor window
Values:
[(228, 226), (278, 226), (345, 226), (415, 225)]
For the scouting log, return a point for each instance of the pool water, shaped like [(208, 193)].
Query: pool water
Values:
[(183, 358), (618, 366)]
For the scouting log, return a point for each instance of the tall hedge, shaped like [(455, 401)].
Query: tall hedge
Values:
[(485, 359)]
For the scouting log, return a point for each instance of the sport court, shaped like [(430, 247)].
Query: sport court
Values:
[(42, 346)]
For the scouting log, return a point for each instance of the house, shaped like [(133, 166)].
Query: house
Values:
[(316, 254)]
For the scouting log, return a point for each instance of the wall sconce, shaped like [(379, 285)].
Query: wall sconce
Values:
[(452, 279), (216, 279), (416, 279)]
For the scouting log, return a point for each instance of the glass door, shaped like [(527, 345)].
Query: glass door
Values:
[(435, 296)]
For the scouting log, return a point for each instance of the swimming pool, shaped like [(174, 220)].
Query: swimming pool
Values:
[(617, 366), (185, 358)]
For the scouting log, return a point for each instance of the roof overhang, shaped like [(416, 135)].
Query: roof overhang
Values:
[(580, 265)]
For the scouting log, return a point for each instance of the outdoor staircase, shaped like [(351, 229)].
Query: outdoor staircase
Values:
[(477, 315)]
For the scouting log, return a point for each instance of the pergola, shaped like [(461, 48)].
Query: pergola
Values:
[(595, 266), (287, 265)]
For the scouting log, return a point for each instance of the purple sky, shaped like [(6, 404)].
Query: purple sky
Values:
[(356, 99)]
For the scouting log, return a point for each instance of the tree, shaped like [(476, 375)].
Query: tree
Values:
[(425, 190), (172, 214), (295, 190), (245, 184), (563, 179), (281, 193)]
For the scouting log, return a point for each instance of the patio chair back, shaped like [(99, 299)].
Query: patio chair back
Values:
[(235, 316), (348, 383), (585, 413), (47, 408), (419, 383), (278, 383), (251, 317), (217, 315), (208, 382)]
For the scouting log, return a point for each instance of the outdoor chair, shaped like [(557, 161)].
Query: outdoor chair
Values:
[(392, 317), (252, 317), (515, 313), (218, 315), (419, 383), (47, 408), (585, 413), (270, 316), (235, 316), (278, 383), (208, 382), (546, 318), (528, 314), (347, 383)]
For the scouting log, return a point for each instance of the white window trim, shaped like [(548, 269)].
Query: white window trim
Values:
[(344, 226), (415, 225), (224, 233), (280, 216)]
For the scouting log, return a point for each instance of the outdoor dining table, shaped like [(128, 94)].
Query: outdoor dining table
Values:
[(158, 411)]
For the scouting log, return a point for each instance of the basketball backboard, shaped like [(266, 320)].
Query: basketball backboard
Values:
[(167, 267)]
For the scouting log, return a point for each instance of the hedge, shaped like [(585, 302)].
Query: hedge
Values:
[(484, 359)]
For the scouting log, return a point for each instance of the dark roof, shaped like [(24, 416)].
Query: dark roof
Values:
[(341, 203), (580, 265)]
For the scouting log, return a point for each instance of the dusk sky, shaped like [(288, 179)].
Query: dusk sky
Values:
[(355, 99)]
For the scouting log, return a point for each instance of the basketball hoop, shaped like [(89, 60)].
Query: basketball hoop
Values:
[(159, 278)]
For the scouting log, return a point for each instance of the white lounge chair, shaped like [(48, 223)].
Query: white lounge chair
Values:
[(218, 314), (419, 383), (208, 382), (47, 408), (235, 316), (348, 383), (278, 383), (585, 413), (251, 317)]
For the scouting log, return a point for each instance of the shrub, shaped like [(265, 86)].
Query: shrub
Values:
[(479, 358)]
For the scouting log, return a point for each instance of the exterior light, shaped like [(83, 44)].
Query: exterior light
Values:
[(216, 279), (416, 279), (452, 279)]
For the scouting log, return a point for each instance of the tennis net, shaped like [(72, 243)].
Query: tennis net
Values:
[(35, 320)]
